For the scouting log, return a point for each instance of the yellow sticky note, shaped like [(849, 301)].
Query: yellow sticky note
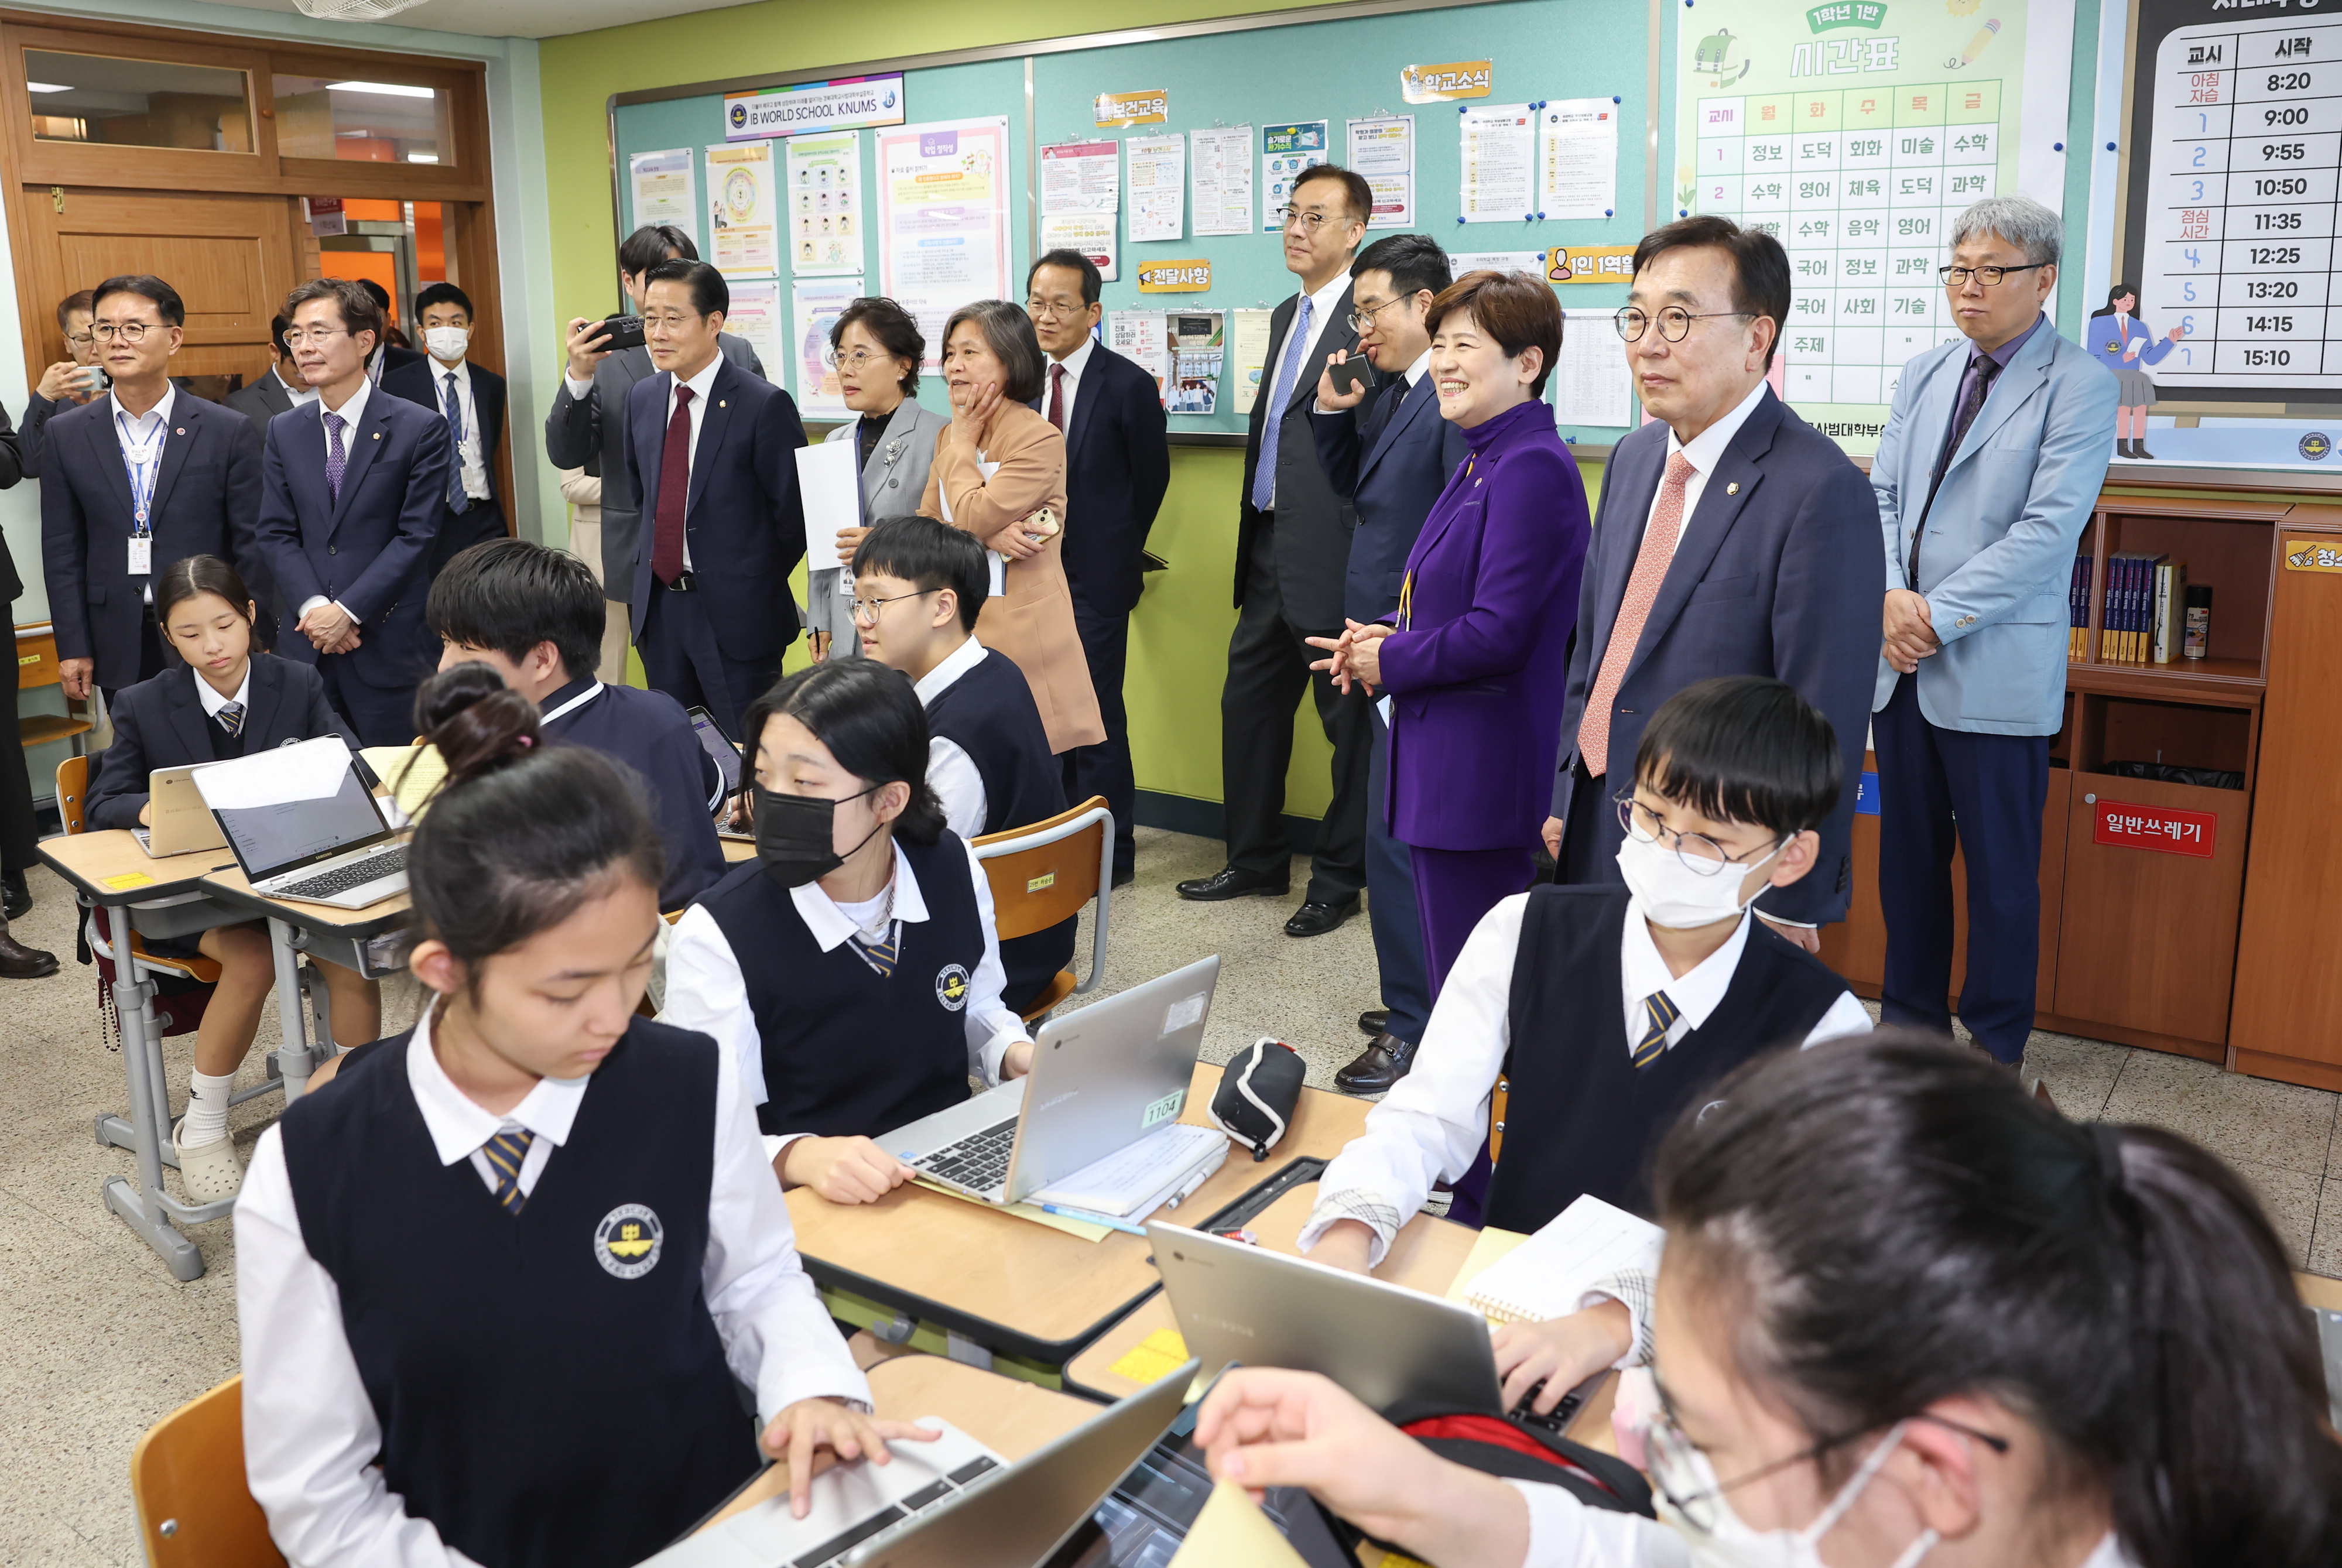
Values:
[(1154, 1358), (1233, 1532), (129, 879), (412, 774)]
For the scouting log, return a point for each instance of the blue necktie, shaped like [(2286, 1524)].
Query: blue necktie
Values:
[(1264, 474), (231, 718), (337, 462), (1662, 1015), (456, 500), (507, 1152)]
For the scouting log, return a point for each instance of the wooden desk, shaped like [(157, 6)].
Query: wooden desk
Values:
[(736, 850), (107, 865), (1014, 1286)]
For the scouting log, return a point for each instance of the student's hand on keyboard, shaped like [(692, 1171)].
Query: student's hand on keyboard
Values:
[(843, 1170), (1345, 1245), (801, 1431), (1562, 1351)]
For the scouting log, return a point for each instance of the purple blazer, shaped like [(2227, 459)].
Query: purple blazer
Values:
[(1478, 669)]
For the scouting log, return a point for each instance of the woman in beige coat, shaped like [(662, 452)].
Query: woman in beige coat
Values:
[(999, 474)]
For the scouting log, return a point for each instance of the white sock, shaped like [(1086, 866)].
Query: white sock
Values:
[(207, 1121)]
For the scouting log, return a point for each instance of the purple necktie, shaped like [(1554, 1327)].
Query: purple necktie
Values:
[(336, 459)]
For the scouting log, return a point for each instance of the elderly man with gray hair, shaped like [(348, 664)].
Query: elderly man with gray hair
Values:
[(1986, 475)]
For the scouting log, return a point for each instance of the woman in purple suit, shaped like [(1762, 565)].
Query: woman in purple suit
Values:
[(1475, 663)]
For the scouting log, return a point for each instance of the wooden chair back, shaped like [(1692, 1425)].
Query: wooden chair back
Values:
[(36, 661), (1043, 874), (73, 785), (187, 1477)]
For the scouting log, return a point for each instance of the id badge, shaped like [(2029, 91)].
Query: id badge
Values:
[(142, 555)]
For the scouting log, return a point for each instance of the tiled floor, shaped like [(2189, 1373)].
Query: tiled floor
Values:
[(100, 1341)]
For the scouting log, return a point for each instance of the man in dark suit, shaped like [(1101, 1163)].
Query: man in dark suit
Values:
[(352, 491), (143, 476), (587, 426), (1391, 469), (1293, 549), (281, 391), (1118, 466), (1732, 539), (388, 355), (714, 458), (18, 831), (68, 383), (471, 399)]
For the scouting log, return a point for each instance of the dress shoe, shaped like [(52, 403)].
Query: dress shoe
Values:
[(1381, 1064), (1315, 919), (1230, 882), (1124, 876), (15, 897), (209, 1171), (18, 961), (1374, 1021)]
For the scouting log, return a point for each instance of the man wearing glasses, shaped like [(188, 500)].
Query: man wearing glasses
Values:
[(1986, 475), (67, 384), (1732, 539), (1293, 555)]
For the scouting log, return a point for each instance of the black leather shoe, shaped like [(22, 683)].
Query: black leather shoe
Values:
[(1315, 919), (1381, 1064), (1374, 1021), (18, 961), (1124, 877), (15, 897), (1229, 883)]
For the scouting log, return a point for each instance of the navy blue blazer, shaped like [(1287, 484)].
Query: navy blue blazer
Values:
[(1117, 467), (369, 550), (650, 733), (744, 520), (1777, 573), (421, 382), (206, 499), (1392, 469), (161, 724)]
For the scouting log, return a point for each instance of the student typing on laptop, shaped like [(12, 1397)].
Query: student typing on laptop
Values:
[(853, 967), (226, 701)]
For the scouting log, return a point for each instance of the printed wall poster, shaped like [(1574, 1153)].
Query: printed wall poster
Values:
[(942, 219), (823, 175), (743, 217)]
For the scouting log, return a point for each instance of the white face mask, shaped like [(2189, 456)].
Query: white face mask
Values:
[(448, 343), (1674, 895)]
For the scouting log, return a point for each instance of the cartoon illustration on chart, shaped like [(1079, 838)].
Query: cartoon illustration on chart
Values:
[(2126, 345)]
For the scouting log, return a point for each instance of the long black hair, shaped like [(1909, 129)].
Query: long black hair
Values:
[(871, 721), (521, 831), (2116, 293), (1890, 1221), (189, 575)]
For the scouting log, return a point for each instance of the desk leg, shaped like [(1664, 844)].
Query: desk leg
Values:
[(141, 1208), (293, 1058)]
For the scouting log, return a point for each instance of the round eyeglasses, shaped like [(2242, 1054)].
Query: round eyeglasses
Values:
[(1700, 853), (1674, 322)]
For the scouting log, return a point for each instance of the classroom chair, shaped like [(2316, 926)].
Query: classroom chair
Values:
[(187, 1477), (1042, 874), (177, 1009)]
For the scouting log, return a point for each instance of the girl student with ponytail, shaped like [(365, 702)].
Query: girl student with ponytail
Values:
[(853, 968), (1906, 1314), (225, 699), (501, 1282)]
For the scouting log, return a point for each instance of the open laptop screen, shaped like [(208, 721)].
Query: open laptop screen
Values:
[(717, 745), (270, 839)]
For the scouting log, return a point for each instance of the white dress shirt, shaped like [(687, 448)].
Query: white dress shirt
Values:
[(1074, 364), (213, 702), (469, 451), (349, 413), (1310, 365), (951, 772), (706, 990), (311, 1435), (699, 385), (142, 450), (1412, 375), (1704, 452), (1429, 1128)]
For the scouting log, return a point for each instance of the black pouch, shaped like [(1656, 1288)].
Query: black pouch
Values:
[(1257, 1092)]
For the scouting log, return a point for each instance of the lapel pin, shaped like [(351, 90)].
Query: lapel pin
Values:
[(181, 430), (1733, 488), (377, 435), (723, 402)]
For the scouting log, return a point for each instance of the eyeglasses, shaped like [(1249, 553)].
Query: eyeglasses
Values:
[(1675, 1462), (1702, 854), (1989, 276), (79, 339), (1674, 321), (320, 336), (866, 610), (1360, 320), (1310, 222), (854, 363), (129, 331), (1046, 310), (668, 321)]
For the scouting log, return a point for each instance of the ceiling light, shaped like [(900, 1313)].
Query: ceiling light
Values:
[(387, 89), (421, 157), (46, 87)]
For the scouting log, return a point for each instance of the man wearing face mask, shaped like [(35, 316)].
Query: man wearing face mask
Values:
[(1638, 997), (471, 398)]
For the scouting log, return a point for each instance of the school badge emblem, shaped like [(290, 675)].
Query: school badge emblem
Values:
[(951, 986), (628, 1240)]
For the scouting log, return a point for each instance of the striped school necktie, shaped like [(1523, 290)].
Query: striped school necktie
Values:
[(881, 956), (231, 718), (1662, 1015), (507, 1151)]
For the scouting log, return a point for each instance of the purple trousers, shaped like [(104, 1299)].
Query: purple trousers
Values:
[(1453, 889)]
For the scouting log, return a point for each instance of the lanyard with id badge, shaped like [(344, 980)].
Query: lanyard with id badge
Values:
[(143, 460)]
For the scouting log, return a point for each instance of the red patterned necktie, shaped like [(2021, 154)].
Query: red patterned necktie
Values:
[(1058, 397), (674, 492)]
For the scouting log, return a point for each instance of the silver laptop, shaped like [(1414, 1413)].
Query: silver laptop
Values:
[(1103, 1078), (952, 1504), (337, 849), (178, 822)]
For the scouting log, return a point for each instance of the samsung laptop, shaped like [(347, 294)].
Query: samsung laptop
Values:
[(178, 822), (1103, 1078), (333, 848), (950, 1503)]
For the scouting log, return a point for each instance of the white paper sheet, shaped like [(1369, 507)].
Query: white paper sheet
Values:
[(1089, 233), (1081, 177), (1590, 381), (666, 187), (1499, 142), (1138, 337), (813, 305), (1223, 180), (1529, 262), (1285, 151), (1545, 1276), (743, 210), (942, 219), (1158, 186), (755, 314), (312, 770), (1577, 158), (829, 481), (1248, 341), (823, 175), (1382, 150)]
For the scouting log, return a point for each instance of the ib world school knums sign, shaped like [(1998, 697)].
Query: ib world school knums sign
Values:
[(841, 104)]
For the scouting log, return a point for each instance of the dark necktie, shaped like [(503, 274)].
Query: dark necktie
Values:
[(674, 492), (231, 718), (1974, 387), (1058, 397), (507, 1152), (1386, 410), (1660, 1015), (337, 461), (456, 498)]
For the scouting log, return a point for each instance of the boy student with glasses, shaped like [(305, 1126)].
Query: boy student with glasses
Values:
[(67, 384)]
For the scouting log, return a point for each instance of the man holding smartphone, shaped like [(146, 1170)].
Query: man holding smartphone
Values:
[(67, 384)]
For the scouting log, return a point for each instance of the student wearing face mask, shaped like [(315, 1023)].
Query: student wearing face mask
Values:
[(854, 969), (471, 398), (1628, 1002), (1907, 1314)]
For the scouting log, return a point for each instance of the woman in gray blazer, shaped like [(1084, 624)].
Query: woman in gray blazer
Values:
[(876, 348)]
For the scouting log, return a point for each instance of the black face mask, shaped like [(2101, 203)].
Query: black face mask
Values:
[(795, 836)]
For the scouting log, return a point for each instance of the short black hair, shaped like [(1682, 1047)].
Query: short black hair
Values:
[(1009, 333), (1414, 262), (510, 594), (279, 326), (1093, 283), (380, 295), (443, 293), (710, 294), (359, 309), (895, 328), (1742, 748), (148, 285), (869, 717), (1358, 194), (929, 556), (648, 245), (1760, 268)]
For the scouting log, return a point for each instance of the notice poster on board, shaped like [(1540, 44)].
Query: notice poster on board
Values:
[(823, 175), (1577, 158), (814, 305), (755, 316), (664, 187), (1248, 346), (1285, 151), (942, 219), (1382, 153), (1157, 177), (1222, 159), (1137, 335), (1081, 177), (1197, 346), (1590, 380), (1084, 233), (743, 216), (1498, 147)]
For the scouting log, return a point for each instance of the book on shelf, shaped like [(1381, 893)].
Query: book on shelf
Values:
[(2170, 619), (2128, 614), (2077, 611)]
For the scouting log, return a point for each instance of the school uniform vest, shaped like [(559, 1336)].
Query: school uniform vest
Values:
[(990, 713), (552, 1393), (849, 1051), (225, 747), (1582, 1117)]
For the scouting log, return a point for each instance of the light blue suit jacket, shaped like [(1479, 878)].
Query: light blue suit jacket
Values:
[(1998, 559)]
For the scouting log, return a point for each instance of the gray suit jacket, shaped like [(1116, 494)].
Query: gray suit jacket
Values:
[(891, 482), (580, 430), (263, 401)]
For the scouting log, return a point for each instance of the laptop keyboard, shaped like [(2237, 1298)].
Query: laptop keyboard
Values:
[(838, 1545), (979, 1163), (357, 874)]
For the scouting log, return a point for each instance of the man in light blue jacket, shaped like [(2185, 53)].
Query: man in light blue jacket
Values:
[(1986, 475)]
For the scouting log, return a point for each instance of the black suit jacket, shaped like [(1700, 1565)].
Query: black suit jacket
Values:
[(161, 724), (1117, 467), (12, 469), (206, 499), (263, 401), (1392, 468), (390, 357), (422, 382), (1313, 525)]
